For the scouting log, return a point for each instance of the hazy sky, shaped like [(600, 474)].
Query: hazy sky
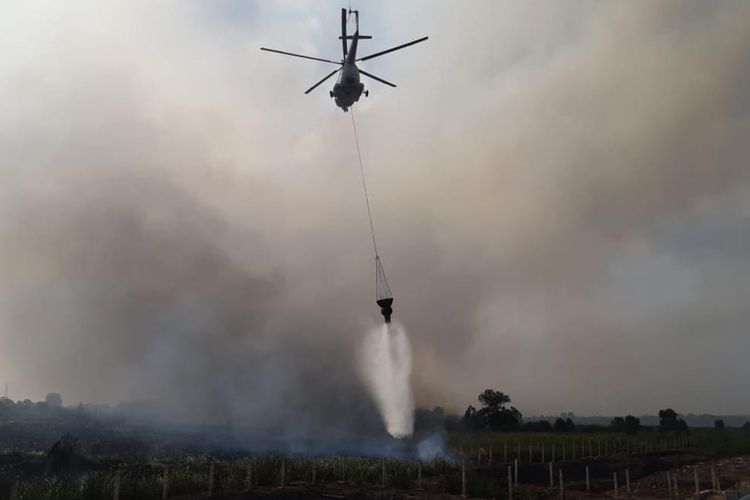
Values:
[(561, 194)]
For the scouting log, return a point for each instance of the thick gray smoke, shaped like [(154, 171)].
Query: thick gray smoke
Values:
[(560, 192)]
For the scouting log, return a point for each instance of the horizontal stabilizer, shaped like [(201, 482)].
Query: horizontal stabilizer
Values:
[(361, 37)]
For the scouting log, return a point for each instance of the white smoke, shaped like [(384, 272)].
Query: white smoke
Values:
[(386, 367)]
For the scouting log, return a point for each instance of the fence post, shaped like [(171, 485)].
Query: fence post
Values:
[(614, 477), (676, 487), (211, 480), (283, 473), (510, 484), (713, 478), (315, 470), (695, 480), (116, 492), (588, 479), (562, 486), (515, 465), (383, 465), (551, 477), (627, 481), (463, 480), (165, 483), (669, 485)]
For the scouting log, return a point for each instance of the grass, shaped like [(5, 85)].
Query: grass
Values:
[(142, 479)]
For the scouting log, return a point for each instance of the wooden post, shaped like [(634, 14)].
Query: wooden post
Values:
[(510, 484), (615, 482), (588, 479), (676, 487), (515, 473), (211, 480), (713, 479), (384, 483), (627, 481), (315, 470), (283, 473), (562, 486), (697, 483), (116, 492), (551, 477), (165, 483), (669, 485), (463, 480)]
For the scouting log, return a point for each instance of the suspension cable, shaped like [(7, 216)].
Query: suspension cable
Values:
[(364, 184)]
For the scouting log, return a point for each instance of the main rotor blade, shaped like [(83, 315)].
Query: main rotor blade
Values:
[(343, 31), (376, 78), (300, 55), (329, 75), (378, 54)]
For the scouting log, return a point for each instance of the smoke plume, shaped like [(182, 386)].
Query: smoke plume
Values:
[(560, 191)]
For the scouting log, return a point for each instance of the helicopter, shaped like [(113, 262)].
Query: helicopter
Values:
[(348, 88)]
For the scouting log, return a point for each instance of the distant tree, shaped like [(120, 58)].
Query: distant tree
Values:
[(494, 414), (6, 406), (719, 424), (429, 419), (472, 420), (746, 426), (618, 424), (668, 421), (563, 425), (53, 400), (632, 424)]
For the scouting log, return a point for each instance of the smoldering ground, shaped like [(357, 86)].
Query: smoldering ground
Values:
[(561, 193)]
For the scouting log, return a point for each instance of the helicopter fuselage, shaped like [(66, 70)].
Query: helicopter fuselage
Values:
[(348, 89)]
